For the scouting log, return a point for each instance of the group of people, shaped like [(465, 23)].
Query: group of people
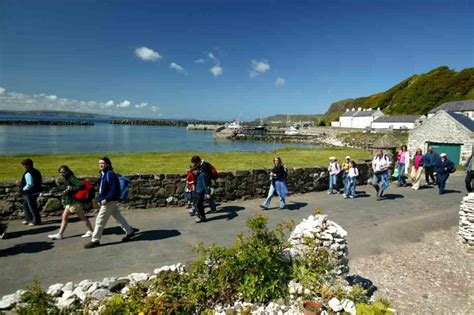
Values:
[(349, 172), (107, 199)]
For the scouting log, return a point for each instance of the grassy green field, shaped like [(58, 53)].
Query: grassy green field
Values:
[(173, 163)]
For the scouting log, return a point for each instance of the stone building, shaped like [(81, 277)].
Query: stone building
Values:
[(448, 132), (461, 107)]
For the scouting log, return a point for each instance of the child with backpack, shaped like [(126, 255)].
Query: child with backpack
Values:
[(190, 188), (334, 168), (74, 189), (349, 189)]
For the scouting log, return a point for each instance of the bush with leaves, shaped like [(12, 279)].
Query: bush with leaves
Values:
[(36, 301)]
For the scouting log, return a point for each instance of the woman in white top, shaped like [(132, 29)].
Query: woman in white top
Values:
[(349, 189)]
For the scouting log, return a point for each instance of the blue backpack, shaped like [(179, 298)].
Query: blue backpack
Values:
[(124, 183)]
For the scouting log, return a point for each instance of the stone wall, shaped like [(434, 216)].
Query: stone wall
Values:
[(163, 190), (466, 220)]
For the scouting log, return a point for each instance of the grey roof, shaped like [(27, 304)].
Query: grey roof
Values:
[(463, 120), (456, 106), (367, 113), (349, 113), (398, 119)]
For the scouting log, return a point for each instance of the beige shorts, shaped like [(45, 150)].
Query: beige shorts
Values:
[(74, 207)]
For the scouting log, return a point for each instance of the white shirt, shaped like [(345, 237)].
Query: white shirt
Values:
[(380, 163), (353, 172)]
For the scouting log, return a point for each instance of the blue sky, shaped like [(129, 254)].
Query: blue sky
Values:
[(220, 59)]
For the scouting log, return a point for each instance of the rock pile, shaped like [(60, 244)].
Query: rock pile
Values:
[(324, 233), (466, 220)]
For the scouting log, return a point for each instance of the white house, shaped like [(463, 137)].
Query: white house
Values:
[(465, 108), (360, 118), (397, 122)]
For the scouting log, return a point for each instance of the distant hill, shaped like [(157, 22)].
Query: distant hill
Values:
[(417, 94), (56, 114)]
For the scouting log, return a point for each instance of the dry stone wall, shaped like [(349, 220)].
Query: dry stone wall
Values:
[(163, 190), (466, 220)]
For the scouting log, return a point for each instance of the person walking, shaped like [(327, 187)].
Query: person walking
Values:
[(278, 176), (334, 169), (380, 165), (190, 189), (469, 169), (72, 185), (345, 171), (109, 195), (30, 188), (205, 167), (417, 169), (202, 193), (349, 189), (443, 168), (429, 162), (403, 162)]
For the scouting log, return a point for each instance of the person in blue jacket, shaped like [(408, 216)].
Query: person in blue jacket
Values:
[(429, 163), (108, 198), (202, 193), (443, 168)]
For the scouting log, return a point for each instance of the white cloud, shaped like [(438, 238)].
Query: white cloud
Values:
[(200, 60), (141, 105), (259, 67), (177, 68), (124, 104), (280, 82), (147, 54), (211, 56), (52, 97), (109, 103), (2, 90), (216, 71), (155, 109)]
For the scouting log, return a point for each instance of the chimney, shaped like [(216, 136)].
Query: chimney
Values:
[(347, 109), (369, 109), (359, 109), (353, 109), (378, 108)]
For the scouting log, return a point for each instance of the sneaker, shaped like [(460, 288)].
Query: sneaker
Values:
[(345, 197), (191, 212), (87, 234), (329, 192), (24, 222), (92, 245), (352, 197), (128, 237), (32, 224), (263, 207), (55, 236), (200, 219)]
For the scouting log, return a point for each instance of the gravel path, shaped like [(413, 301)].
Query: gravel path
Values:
[(434, 276)]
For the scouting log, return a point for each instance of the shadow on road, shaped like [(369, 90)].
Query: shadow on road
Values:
[(363, 282), (152, 235), (296, 205), (450, 191), (392, 196), (32, 231), (226, 212), (26, 248)]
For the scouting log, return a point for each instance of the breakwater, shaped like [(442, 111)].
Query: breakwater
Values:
[(45, 123), (161, 122), (164, 190)]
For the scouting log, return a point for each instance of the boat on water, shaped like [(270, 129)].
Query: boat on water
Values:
[(233, 125), (292, 131)]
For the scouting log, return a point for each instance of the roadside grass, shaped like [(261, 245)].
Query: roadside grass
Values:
[(174, 162)]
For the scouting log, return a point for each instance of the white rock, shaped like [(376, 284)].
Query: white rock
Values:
[(349, 306), (100, 294), (335, 304), (93, 287), (107, 281), (66, 302), (68, 287), (79, 292), (55, 289), (8, 301), (138, 276), (85, 284)]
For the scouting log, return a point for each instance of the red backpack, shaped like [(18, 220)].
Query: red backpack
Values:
[(85, 194), (214, 174)]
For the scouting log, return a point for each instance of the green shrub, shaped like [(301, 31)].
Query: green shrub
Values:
[(378, 307), (36, 301)]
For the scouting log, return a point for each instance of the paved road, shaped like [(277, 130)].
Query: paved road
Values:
[(167, 235)]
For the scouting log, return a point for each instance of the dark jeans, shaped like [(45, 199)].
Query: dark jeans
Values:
[(468, 180), (200, 206), (442, 178), (30, 209), (429, 174)]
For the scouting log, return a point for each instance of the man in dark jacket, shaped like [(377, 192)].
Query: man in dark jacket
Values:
[(30, 188), (205, 167), (443, 168), (469, 168), (429, 162), (109, 196)]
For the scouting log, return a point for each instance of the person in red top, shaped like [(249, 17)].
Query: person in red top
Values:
[(191, 177)]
